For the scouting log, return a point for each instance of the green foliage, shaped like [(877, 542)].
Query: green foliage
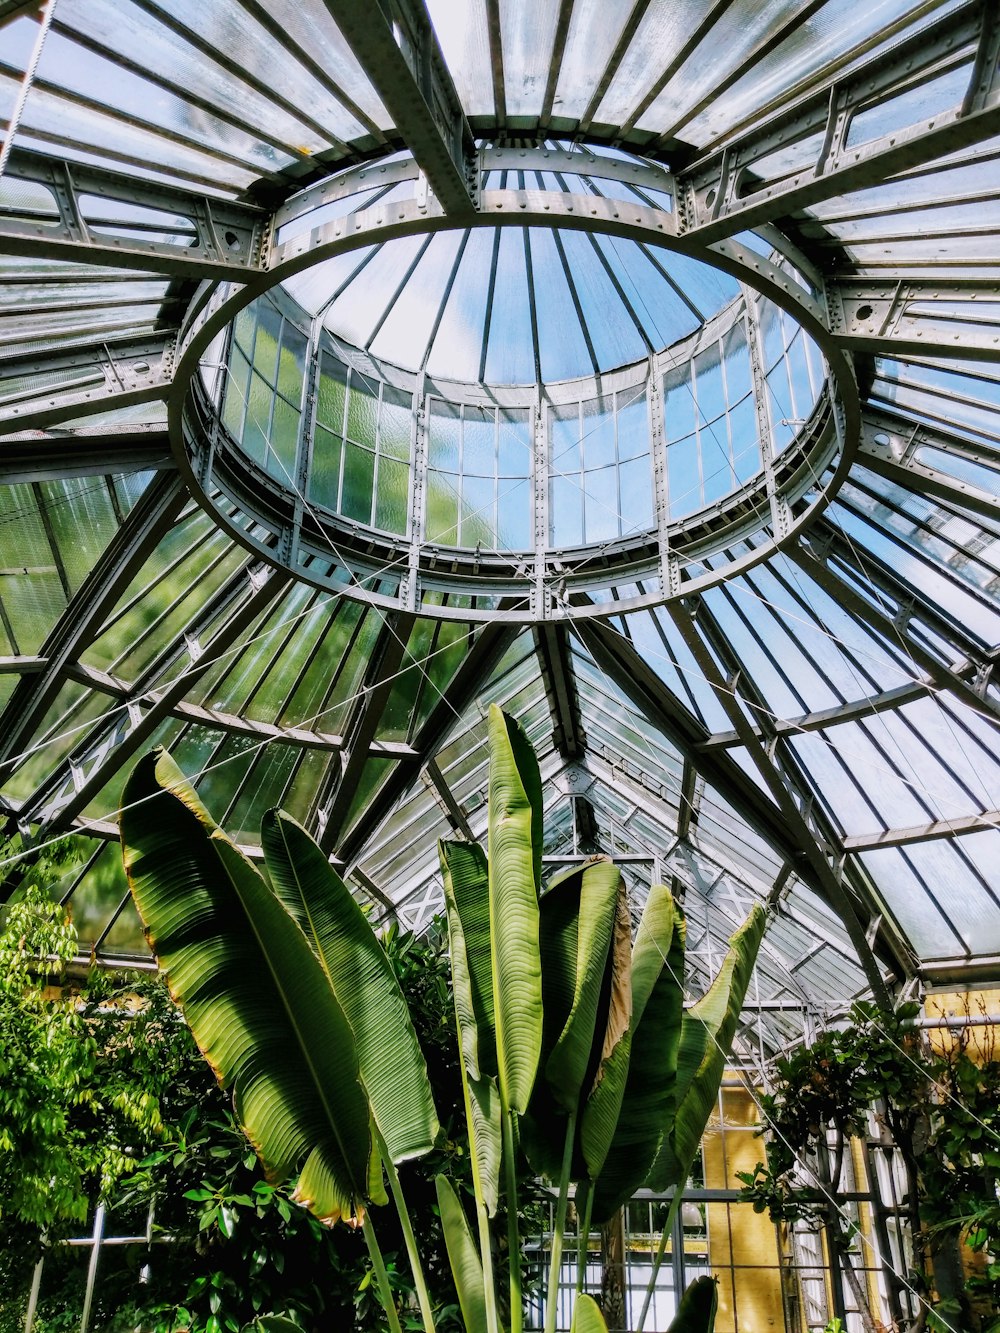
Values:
[(295, 1006), (239, 1245), (942, 1109)]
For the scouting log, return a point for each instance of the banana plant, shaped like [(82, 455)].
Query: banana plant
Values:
[(626, 1078), (286, 991), (574, 1042)]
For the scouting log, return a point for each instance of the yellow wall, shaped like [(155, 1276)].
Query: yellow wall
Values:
[(736, 1234)]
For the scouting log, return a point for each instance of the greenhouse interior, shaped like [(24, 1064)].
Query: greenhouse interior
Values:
[(500, 615)]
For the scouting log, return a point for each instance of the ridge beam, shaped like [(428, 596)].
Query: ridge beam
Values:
[(399, 53)]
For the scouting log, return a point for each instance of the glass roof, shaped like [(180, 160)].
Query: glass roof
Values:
[(757, 655)]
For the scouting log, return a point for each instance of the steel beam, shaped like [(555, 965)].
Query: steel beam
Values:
[(631, 673), (733, 188), (397, 48), (219, 240), (99, 376), (94, 761), (28, 457), (336, 795), (947, 317), (485, 651), (552, 648), (891, 446), (437, 785), (937, 828), (887, 701), (825, 552), (124, 556), (781, 785)]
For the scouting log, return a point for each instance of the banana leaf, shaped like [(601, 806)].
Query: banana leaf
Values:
[(583, 922), (572, 1055), (466, 892), (392, 1065), (515, 864), (463, 1257), (698, 1307), (252, 990), (587, 1317), (640, 1080), (707, 1033)]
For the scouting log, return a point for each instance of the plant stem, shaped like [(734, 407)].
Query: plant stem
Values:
[(420, 1282), (513, 1233), (555, 1263), (583, 1233), (668, 1227), (381, 1276), (482, 1216)]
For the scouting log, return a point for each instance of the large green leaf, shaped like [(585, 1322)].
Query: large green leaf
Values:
[(393, 1069), (467, 898), (707, 1033), (515, 849), (585, 943), (642, 1075), (587, 1317), (252, 990), (466, 892), (463, 1256), (697, 1310), (573, 1053)]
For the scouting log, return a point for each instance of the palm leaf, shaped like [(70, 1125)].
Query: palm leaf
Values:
[(642, 1074), (587, 1317), (515, 849), (253, 992), (462, 1256), (393, 1069), (466, 891), (697, 1310), (707, 1033)]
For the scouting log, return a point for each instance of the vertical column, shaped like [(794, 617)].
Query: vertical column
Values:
[(409, 593), (307, 435), (95, 1254), (780, 513), (541, 599), (670, 568)]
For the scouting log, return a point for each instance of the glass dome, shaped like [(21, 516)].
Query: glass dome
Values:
[(634, 366)]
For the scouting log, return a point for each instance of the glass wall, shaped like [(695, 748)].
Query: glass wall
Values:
[(710, 424), (479, 490), (262, 403), (600, 469)]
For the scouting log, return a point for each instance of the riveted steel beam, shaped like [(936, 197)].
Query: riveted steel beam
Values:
[(887, 701), (397, 48), (931, 832), (211, 238), (739, 187), (86, 379), (552, 647), (895, 447), (947, 317)]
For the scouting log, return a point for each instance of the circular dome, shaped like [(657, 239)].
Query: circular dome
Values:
[(555, 407)]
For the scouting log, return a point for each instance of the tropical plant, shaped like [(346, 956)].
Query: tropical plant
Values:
[(937, 1108), (572, 1040)]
